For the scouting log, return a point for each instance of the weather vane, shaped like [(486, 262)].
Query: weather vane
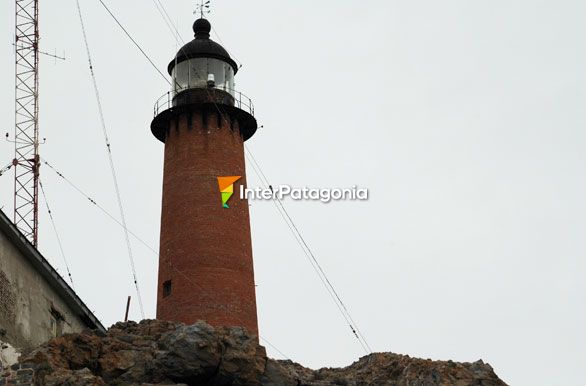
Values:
[(203, 8)]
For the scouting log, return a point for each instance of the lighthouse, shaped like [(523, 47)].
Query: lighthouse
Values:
[(205, 259)]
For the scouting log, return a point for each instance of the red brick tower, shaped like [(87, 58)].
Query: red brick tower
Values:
[(205, 264)]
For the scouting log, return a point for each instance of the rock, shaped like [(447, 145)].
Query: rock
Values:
[(82, 377), (192, 354), (70, 352), (243, 359), (385, 369), (161, 353), (282, 373)]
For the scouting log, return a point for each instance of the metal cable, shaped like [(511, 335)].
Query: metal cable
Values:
[(94, 202), (229, 53), (103, 210), (311, 258), (110, 158), (177, 36), (303, 244), (305, 247), (50, 212), (131, 39), (275, 348), (5, 169), (353, 324), (286, 217), (167, 19)]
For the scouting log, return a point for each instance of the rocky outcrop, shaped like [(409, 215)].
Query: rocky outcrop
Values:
[(164, 353)]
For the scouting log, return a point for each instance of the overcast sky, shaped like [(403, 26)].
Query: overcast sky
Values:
[(465, 119)]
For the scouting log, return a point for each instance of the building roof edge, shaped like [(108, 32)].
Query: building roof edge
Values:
[(36, 259)]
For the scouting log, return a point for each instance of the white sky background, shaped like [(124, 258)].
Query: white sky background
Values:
[(465, 119)]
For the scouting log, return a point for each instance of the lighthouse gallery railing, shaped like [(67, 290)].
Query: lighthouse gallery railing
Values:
[(241, 101)]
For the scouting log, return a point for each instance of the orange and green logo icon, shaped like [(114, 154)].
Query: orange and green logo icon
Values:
[(226, 185)]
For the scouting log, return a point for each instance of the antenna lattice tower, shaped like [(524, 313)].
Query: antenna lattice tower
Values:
[(26, 133)]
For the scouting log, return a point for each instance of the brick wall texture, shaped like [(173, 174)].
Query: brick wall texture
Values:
[(205, 249)]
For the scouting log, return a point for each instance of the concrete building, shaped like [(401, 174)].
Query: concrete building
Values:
[(205, 260), (36, 304)]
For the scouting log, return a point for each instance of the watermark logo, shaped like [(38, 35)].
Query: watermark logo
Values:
[(324, 195), (226, 185)]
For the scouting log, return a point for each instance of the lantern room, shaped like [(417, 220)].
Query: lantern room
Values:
[(202, 63)]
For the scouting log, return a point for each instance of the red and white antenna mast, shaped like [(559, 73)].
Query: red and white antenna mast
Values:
[(26, 133)]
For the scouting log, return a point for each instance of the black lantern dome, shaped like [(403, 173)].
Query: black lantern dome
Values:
[(202, 47)]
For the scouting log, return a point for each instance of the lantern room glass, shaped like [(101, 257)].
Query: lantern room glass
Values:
[(194, 73)]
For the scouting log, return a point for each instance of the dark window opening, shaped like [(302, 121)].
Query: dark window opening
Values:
[(167, 287), (56, 321)]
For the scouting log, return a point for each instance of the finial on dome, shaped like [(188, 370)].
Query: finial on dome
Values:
[(203, 8), (202, 29)]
